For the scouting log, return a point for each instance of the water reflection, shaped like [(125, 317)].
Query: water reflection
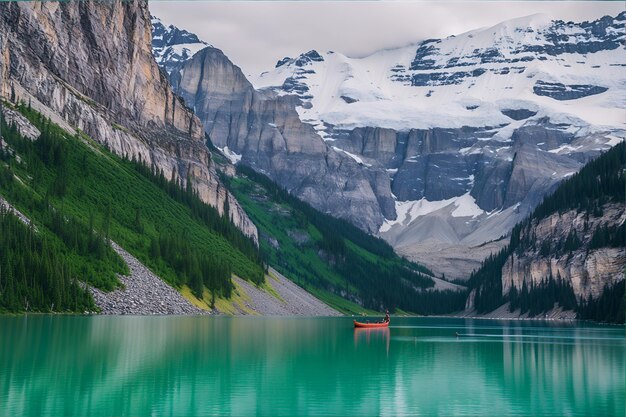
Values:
[(237, 366), (372, 336)]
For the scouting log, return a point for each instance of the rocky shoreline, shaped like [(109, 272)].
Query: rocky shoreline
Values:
[(147, 294), (503, 313), (144, 293)]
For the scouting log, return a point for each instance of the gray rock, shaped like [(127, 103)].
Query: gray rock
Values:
[(24, 127), (587, 271), (143, 294), (559, 91), (518, 114), (267, 132), (293, 301)]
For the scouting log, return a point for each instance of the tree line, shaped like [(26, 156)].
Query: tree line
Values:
[(208, 215), (195, 268), (325, 223)]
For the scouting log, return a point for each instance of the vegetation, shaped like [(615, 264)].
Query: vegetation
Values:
[(541, 298), (202, 212), (487, 281), (609, 307), (344, 266), (36, 273), (83, 195), (330, 227), (600, 182)]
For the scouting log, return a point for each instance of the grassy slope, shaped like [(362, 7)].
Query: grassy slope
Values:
[(99, 179), (301, 262)]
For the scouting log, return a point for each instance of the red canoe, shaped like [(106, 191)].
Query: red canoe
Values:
[(370, 325)]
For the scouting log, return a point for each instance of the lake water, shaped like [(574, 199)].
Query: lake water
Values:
[(183, 366)]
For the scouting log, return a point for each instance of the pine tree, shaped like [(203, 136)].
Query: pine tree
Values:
[(137, 224)]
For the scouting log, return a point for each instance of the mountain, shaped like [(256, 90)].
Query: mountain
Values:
[(340, 264), (97, 147), (473, 129), (171, 46), (100, 221), (89, 67), (462, 136), (569, 254), (265, 131), (109, 195)]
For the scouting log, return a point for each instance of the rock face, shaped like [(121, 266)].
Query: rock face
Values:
[(22, 124), (91, 65), (265, 131), (588, 271), (477, 115), (560, 91)]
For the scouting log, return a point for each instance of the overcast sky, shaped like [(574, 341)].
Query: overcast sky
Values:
[(255, 34)]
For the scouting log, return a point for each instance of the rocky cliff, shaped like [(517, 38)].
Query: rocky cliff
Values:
[(89, 66), (587, 270), (490, 120), (265, 132)]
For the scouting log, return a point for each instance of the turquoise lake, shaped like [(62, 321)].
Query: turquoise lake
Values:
[(184, 366)]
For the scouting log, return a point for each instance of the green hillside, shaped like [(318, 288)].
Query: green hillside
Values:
[(79, 195), (342, 265)]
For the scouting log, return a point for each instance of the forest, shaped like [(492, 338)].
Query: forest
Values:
[(35, 272)]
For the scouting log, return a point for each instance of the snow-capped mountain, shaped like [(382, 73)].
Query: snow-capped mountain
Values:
[(172, 46), (467, 80), (468, 132)]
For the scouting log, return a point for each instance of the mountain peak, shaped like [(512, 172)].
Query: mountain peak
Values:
[(283, 61), (171, 45)]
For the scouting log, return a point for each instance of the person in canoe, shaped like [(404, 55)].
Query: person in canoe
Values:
[(386, 320)]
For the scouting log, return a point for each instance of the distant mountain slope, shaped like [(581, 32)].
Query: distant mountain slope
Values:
[(570, 251), (348, 269), (489, 121), (265, 132), (458, 138), (482, 78)]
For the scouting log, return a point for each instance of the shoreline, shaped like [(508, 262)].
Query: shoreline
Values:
[(296, 316)]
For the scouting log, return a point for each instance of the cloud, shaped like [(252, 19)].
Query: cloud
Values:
[(254, 35)]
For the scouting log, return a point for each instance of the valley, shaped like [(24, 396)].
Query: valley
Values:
[(450, 141), (419, 209), (390, 181)]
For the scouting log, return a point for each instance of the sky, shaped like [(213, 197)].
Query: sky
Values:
[(256, 34)]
